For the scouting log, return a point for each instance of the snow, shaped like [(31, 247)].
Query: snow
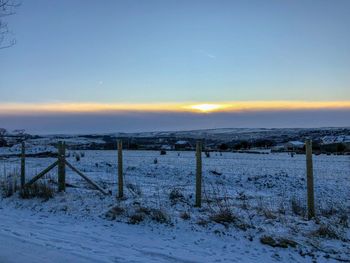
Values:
[(63, 239), (336, 139), (259, 188), (296, 143), (181, 142)]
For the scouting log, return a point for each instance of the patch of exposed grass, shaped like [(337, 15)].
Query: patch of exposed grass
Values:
[(297, 207), (328, 212), (9, 185), (224, 217), (37, 189), (277, 242), (175, 195), (114, 212), (344, 219), (185, 216), (160, 216), (326, 231), (136, 218), (202, 222)]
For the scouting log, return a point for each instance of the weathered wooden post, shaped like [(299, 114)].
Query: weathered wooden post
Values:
[(310, 180), (23, 165), (198, 174), (120, 169), (61, 166)]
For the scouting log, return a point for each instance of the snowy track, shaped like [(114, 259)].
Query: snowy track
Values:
[(34, 238)]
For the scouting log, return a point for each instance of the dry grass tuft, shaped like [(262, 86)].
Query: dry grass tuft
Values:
[(114, 212), (185, 216), (278, 242), (175, 196), (37, 189), (136, 218), (224, 217), (344, 219), (160, 216), (202, 222), (297, 207), (8, 185), (326, 231)]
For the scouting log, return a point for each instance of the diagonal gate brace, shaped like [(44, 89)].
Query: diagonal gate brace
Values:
[(41, 174), (97, 187)]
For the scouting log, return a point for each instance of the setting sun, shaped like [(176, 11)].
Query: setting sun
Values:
[(206, 107)]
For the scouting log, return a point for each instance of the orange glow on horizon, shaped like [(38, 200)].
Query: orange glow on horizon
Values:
[(206, 107), (238, 106)]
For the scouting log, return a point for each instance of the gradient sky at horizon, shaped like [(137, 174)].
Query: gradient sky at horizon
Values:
[(149, 52)]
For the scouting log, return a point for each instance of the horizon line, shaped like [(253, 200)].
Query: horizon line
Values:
[(168, 107)]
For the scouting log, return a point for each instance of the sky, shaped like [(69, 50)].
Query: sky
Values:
[(105, 66)]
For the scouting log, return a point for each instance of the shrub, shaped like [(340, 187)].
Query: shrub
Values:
[(223, 147), (37, 189), (343, 220), (185, 216), (326, 231), (278, 242), (224, 217), (175, 195), (141, 213), (297, 207), (115, 211), (328, 212), (160, 216), (202, 222), (9, 185), (144, 210), (268, 213), (268, 240), (136, 218)]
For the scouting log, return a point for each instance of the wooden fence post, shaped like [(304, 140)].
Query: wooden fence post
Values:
[(310, 180), (198, 174), (61, 167), (23, 166), (120, 169)]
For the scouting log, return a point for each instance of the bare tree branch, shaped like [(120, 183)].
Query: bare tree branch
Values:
[(7, 8)]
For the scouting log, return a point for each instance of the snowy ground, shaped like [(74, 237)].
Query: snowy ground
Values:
[(265, 194), (28, 237)]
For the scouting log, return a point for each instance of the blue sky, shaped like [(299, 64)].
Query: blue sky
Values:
[(146, 52)]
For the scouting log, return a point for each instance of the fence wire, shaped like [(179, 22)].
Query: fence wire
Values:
[(276, 180)]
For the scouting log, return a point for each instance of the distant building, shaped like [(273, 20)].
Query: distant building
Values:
[(166, 147), (278, 148), (339, 143), (294, 146), (183, 145), (335, 139)]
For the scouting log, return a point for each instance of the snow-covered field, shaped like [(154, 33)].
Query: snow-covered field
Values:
[(246, 198)]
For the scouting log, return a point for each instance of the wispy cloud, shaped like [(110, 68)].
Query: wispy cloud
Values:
[(206, 54)]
